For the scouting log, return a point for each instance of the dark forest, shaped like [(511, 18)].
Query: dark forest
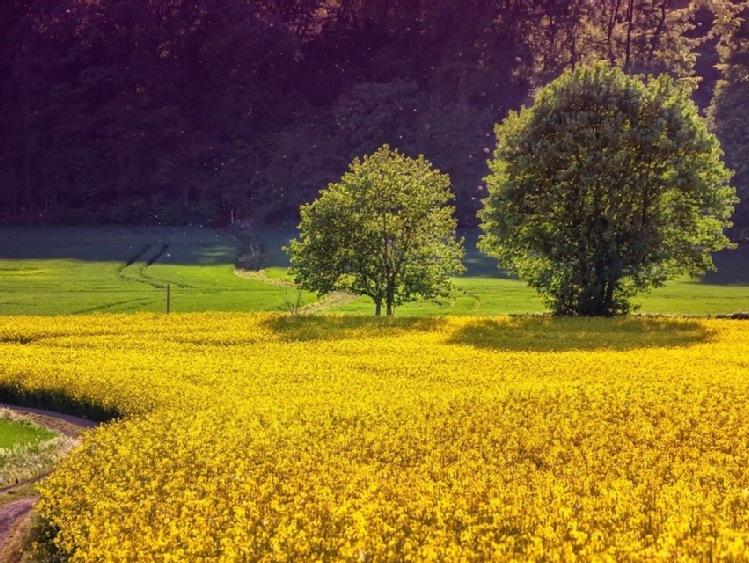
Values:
[(208, 111)]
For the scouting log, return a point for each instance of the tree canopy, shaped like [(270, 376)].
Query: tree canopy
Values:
[(605, 187), (190, 111), (385, 231), (728, 112)]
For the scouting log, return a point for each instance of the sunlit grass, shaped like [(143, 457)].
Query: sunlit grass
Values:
[(27, 450), (18, 433), (77, 270), (48, 271)]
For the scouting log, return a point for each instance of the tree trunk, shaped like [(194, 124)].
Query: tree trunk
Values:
[(655, 43), (610, 25), (378, 308), (628, 45), (390, 295)]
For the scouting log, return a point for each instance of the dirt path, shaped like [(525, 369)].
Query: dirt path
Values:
[(326, 302), (15, 515), (14, 518), (260, 276), (64, 424)]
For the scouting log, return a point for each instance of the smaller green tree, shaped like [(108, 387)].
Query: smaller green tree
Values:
[(605, 187), (385, 231)]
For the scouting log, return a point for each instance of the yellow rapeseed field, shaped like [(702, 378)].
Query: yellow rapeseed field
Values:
[(273, 438)]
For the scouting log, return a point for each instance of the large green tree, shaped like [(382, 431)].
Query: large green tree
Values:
[(385, 231), (607, 186)]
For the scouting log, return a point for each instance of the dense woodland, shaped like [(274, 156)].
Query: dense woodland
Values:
[(200, 111)]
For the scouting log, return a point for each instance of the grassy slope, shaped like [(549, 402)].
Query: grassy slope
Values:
[(81, 270)]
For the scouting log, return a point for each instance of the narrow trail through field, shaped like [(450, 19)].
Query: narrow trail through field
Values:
[(134, 269), (72, 426), (260, 276), (326, 302), (329, 301), (14, 515), (13, 518)]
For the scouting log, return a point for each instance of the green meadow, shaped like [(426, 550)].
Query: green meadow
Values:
[(14, 433), (79, 270), (53, 271), (26, 450)]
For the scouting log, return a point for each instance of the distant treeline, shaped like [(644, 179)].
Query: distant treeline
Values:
[(177, 111)]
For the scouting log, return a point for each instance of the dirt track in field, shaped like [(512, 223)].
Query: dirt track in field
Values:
[(62, 423), (13, 519), (14, 515)]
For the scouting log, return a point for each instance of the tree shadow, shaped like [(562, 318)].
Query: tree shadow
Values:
[(554, 334), (127, 245), (731, 268), (309, 328)]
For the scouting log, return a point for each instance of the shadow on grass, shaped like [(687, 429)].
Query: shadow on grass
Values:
[(329, 327), (57, 400), (549, 334), (731, 268), (127, 245)]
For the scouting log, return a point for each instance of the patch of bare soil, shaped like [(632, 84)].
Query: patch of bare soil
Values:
[(260, 276), (326, 302), (329, 300), (14, 519)]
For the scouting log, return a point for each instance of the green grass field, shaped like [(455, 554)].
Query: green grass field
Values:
[(52, 271), (26, 450), (484, 290), (19, 433), (76, 270)]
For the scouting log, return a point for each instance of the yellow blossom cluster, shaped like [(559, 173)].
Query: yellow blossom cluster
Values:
[(278, 438)]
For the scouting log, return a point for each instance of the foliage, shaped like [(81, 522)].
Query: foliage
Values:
[(604, 188), (650, 36), (178, 112), (727, 111), (394, 439), (384, 231), (731, 125)]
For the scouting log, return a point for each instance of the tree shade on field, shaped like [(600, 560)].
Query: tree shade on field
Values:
[(606, 187), (385, 231)]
